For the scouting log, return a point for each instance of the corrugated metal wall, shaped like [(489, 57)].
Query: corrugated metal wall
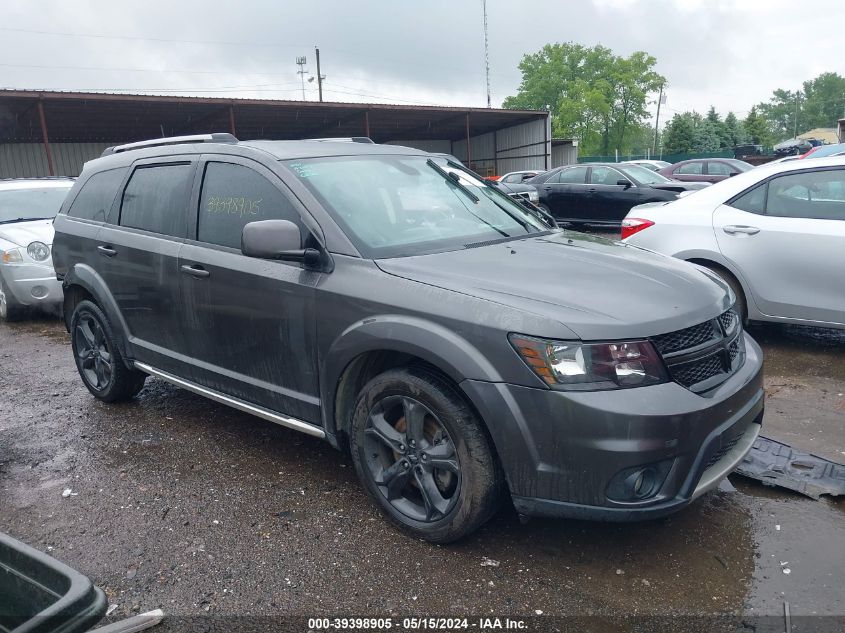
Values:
[(524, 146), (27, 160), (564, 155)]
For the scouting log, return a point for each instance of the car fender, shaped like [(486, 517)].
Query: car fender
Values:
[(716, 257), (86, 277), (449, 352)]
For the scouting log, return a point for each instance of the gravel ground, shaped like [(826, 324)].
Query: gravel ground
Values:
[(182, 504)]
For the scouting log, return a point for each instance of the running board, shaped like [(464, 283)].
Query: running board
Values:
[(240, 405)]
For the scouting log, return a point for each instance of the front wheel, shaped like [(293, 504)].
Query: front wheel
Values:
[(98, 358), (733, 282), (10, 309), (422, 455)]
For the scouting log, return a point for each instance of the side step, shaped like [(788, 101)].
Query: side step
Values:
[(240, 405)]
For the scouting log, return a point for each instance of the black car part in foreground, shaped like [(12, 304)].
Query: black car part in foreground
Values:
[(38, 594)]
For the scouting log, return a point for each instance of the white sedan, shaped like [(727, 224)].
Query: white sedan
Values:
[(776, 234)]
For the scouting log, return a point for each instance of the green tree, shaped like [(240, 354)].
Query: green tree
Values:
[(719, 129), (756, 128), (594, 96), (819, 103), (780, 112), (679, 135), (735, 130)]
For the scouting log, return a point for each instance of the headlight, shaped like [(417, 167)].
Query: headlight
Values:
[(534, 196), (592, 366), (12, 256), (39, 251)]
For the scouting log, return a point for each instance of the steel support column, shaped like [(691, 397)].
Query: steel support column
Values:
[(232, 129), (469, 150), (45, 138), (367, 123)]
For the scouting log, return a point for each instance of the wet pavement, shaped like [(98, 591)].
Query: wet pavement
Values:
[(183, 504)]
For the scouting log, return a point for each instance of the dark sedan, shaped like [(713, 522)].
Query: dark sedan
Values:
[(601, 194), (705, 170)]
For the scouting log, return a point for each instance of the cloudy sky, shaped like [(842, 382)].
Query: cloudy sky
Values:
[(730, 54)]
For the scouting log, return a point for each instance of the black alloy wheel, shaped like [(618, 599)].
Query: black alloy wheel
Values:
[(412, 459), (92, 350)]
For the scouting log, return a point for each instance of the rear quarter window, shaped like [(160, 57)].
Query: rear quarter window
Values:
[(95, 198), (156, 198)]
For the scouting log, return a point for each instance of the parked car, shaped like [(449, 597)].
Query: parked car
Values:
[(27, 209), (526, 195), (793, 146), (518, 177), (822, 151), (600, 194), (391, 302), (741, 151), (775, 234), (653, 165), (705, 169)]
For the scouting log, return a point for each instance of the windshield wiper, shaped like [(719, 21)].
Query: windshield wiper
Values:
[(453, 179), (22, 220)]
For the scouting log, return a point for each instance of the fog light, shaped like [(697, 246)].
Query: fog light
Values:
[(38, 292), (639, 482)]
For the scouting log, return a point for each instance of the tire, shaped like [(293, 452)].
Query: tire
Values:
[(10, 309), (98, 358), (396, 460), (733, 282)]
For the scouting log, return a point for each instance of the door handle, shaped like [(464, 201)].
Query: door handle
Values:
[(195, 271), (108, 251), (735, 229)]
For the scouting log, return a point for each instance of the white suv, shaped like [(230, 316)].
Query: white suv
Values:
[(776, 234), (27, 209)]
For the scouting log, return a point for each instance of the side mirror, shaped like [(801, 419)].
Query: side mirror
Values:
[(624, 182), (277, 239), (732, 174)]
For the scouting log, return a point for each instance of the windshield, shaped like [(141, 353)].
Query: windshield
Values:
[(394, 206), (20, 205), (642, 175)]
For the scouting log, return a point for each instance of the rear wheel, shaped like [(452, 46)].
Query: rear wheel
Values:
[(423, 456), (10, 309), (98, 358), (733, 282)]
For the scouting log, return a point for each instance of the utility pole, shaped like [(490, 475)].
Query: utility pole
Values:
[(300, 61), (657, 121), (319, 76), (795, 120), (486, 52)]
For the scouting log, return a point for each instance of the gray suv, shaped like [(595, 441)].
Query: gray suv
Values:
[(393, 303)]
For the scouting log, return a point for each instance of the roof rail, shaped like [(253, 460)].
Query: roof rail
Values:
[(346, 139), (217, 137)]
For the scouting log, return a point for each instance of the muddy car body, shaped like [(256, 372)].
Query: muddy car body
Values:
[(391, 302)]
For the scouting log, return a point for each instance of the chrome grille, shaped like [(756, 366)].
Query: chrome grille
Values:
[(704, 355)]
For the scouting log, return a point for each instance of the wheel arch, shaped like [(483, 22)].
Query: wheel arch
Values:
[(375, 345), (710, 260), (83, 283)]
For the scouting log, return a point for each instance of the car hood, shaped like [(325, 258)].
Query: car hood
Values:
[(24, 233), (597, 288)]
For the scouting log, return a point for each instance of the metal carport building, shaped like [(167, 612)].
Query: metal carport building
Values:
[(54, 133)]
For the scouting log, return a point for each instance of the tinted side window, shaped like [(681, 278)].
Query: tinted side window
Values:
[(97, 195), (573, 175), (719, 169), (605, 176), (689, 169), (156, 197), (234, 195), (753, 201), (814, 194)]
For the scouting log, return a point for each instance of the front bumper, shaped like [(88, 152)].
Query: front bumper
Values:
[(560, 450), (32, 284)]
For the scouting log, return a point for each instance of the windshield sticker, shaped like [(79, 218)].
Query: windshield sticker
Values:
[(303, 171)]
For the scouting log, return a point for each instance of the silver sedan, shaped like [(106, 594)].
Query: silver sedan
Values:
[(776, 234), (27, 278)]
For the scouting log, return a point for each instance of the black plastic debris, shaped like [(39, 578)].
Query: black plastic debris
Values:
[(777, 464), (38, 594)]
